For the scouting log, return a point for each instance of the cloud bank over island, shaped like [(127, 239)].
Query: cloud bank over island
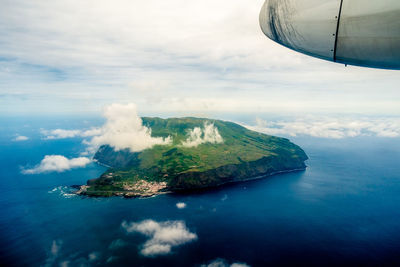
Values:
[(162, 236), (124, 129), (208, 134), (56, 163)]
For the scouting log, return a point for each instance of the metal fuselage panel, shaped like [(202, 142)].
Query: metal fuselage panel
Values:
[(369, 33), (357, 32)]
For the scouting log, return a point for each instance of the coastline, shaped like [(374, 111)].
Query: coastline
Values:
[(136, 193)]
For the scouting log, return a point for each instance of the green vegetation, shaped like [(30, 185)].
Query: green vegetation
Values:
[(243, 154)]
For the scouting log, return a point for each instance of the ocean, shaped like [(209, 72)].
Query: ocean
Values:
[(343, 210)]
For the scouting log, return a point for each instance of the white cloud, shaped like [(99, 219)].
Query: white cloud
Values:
[(55, 247), (62, 133), (54, 253), (57, 258), (91, 132), (198, 136), (94, 256), (224, 263), (57, 163), (239, 265), (331, 127), (162, 236), (181, 205), (211, 56), (124, 130), (20, 138)]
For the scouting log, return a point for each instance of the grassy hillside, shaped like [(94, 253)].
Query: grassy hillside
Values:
[(242, 153)]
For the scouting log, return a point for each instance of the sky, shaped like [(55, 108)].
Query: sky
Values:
[(179, 56)]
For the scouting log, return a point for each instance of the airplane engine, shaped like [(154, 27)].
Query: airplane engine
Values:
[(356, 32)]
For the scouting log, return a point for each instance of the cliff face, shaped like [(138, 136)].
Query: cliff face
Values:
[(116, 159), (234, 173), (236, 155)]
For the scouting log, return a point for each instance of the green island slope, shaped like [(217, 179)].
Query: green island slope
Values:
[(243, 155)]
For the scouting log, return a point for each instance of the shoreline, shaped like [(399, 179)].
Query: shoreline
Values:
[(82, 189)]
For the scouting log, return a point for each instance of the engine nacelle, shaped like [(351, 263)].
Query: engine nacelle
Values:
[(356, 32)]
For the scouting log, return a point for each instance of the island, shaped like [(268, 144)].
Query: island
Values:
[(203, 153)]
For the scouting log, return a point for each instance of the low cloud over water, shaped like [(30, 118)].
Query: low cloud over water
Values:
[(162, 236)]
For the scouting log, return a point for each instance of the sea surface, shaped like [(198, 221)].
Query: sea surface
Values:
[(343, 210)]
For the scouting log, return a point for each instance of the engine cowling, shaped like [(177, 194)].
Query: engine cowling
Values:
[(355, 32)]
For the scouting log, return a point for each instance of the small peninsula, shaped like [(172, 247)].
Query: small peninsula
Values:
[(203, 153)]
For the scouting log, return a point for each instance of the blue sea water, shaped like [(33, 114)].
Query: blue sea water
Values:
[(343, 210)]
